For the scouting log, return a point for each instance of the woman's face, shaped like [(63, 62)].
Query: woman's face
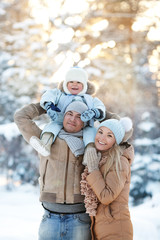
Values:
[(104, 139)]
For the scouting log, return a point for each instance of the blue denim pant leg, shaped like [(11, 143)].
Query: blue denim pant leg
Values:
[(79, 227), (65, 227)]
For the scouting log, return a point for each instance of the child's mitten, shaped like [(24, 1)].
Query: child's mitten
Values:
[(50, 105), (89, 114), (53, 114)]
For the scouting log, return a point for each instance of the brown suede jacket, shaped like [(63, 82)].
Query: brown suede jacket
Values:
[(60, 173)]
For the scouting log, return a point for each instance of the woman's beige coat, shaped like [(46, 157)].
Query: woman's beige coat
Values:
[(112, 221)]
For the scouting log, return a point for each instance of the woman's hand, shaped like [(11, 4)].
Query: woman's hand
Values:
[(93, 159)]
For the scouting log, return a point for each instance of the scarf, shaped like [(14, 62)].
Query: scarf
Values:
[(90, 199), (74, 142)]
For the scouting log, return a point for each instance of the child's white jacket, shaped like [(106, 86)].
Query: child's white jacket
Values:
[(62, 100)]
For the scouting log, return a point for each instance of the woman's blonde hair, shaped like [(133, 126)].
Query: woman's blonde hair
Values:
[(113, 157)]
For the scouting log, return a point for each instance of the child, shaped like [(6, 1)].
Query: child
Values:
[(76, 87), (106, 181)]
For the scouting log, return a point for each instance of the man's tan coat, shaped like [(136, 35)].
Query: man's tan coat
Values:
[(60, 173)]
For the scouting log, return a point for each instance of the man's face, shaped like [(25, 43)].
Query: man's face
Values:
[(72, 122)]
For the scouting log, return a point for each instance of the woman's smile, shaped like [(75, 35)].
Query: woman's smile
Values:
[(101, 143)]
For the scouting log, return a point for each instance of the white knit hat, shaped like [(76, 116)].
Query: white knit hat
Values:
[(76, 74), (118, 127), (77, 106)]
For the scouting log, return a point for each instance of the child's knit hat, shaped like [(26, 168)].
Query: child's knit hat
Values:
[(76, 74), (118, 127), (77, 106)]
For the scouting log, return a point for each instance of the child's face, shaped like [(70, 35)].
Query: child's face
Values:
[(104, 139), (74, 87)]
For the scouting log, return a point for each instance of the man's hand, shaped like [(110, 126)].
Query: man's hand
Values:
[(89, 114)]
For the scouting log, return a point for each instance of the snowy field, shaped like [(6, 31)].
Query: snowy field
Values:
[(21, 212)]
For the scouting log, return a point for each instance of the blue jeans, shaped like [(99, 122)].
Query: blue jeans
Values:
[(65, 227)]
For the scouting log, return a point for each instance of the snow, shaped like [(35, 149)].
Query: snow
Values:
[(24, 25), (9, 130), (146, 126), (2, 11), (10, 72), (146, 220), (21, 213), (146, 142)]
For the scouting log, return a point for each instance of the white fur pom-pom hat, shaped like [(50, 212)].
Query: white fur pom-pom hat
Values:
[(76, 74), (118, 127)]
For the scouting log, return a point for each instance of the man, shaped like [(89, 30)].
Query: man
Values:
[(60, 175)]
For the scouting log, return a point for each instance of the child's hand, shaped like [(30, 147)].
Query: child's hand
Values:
[(89, 114), (53, 114), (50, 105), (57, 117)]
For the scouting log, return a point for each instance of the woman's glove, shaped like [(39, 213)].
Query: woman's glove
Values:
[(87, 150), (89, 114), (93, 159)]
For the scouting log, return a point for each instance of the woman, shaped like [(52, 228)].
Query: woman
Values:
[(106, 183)]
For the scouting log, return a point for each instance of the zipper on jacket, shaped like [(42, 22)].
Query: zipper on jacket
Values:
[(44, 175), (65, 184)]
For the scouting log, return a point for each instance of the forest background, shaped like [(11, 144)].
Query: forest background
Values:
[(117, 42)]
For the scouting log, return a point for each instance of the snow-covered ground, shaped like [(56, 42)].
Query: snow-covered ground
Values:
[(21, 212)]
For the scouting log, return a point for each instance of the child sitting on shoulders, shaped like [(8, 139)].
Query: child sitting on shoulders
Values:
[(75, 87)]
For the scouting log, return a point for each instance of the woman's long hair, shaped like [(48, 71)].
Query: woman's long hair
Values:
[(113, 157)]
